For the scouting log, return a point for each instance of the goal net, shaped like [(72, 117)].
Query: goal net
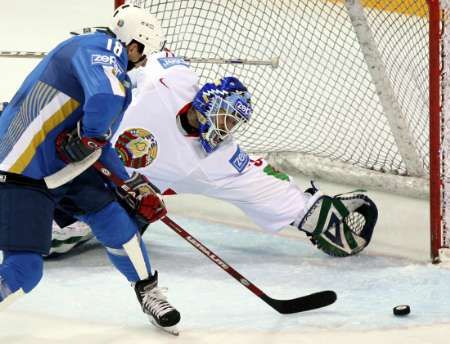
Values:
[(350, 97)]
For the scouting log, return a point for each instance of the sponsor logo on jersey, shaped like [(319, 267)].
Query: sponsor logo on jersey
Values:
[(137, 147), (103, 59), (239, 160), (167, 62)]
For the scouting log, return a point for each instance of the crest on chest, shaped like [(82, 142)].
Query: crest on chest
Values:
[(137, 147)]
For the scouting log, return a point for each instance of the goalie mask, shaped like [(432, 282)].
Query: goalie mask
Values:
[(222, 108)]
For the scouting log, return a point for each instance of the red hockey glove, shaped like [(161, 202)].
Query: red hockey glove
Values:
[(71, 147), (143, 197)]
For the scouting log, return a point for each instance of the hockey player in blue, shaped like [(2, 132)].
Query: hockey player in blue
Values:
[(65, 111)]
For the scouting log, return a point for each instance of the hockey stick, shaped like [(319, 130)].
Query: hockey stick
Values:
[(300, 304), (72, 170), (273, 62)]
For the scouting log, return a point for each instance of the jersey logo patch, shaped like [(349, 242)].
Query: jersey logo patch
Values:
[(107, 60), (167, 62), (103, 59), (136, 147), (239, 160)]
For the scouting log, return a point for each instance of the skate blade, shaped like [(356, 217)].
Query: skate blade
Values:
[(173, 330)]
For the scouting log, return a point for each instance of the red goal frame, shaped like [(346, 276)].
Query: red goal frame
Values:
[(436, 179), (117, 3)]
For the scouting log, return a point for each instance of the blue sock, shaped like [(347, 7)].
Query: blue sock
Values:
[(19, 270)]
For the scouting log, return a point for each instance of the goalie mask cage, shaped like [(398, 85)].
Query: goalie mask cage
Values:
[(358, 90)]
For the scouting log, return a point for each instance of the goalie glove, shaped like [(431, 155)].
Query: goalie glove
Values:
[(341, 225)]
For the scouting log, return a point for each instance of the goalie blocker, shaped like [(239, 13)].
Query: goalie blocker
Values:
[(341, 225)]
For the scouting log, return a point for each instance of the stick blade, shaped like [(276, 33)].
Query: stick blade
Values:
[(303, 303), (72, 170)]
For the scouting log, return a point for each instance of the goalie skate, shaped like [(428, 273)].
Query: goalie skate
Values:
[(154, 304)]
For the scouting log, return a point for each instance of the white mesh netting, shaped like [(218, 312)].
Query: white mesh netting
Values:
[(321, 99)]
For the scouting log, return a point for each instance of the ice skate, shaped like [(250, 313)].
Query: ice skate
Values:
[(154, 304)]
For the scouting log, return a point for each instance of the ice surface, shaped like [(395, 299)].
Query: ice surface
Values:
[(84, 287)]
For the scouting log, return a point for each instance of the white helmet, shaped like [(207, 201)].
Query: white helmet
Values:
[(135, 23)]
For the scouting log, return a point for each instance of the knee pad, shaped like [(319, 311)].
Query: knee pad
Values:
[(111, 225), (21, 270)]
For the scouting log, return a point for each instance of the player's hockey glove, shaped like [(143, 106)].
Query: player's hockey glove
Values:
[(341, 225), (143, 198), (72, 147)]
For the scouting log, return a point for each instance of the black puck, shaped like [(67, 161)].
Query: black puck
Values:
[(401, 310)]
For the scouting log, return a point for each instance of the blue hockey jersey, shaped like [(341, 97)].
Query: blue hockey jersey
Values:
[(83, 78)]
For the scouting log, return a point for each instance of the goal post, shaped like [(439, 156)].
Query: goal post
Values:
[(439, 238), (358, 95)]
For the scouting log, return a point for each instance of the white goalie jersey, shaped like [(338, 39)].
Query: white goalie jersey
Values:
[(151, 141)]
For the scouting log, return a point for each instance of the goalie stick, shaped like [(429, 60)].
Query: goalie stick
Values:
[(299, 304)]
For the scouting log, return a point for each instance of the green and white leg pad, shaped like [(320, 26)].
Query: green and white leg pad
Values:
[(65, 239)]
